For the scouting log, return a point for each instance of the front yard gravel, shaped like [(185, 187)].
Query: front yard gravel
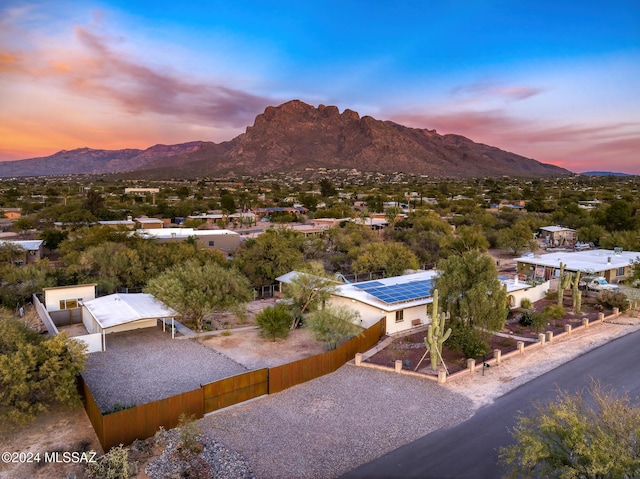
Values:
[(145, 365), (328, 426)]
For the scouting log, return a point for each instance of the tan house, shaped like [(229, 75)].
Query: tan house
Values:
[(224, 240), (558, 236)]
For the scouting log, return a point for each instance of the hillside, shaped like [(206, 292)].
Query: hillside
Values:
[(295, 136)]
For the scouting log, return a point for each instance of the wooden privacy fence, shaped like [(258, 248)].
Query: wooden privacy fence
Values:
[(140, 422)]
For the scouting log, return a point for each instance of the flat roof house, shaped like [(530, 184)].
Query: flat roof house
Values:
[(558, 235), (403, 300), (223, 240), (615, 265)]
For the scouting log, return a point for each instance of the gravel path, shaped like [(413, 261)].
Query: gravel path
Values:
[(146, 365), (330, 425)]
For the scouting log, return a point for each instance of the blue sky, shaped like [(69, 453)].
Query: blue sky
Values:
[(555, 81)]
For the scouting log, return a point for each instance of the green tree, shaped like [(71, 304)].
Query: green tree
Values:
[(583, 435), (227, 203), (308, 291), (94, 202), (24, 224), (619, 215), (393, 258), (36, 372), (272, 254), (332, 324), (471, 292), (326, 188), (196, 290), (517, 238), (52, 238), (467, 238), (11, 252), (274, 321)]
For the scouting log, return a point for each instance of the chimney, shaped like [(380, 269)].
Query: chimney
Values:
[(609, 260), (129, 218)]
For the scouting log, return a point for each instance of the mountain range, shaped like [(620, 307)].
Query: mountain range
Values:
[(292, 138)]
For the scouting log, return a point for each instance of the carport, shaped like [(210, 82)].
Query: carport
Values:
[(125, 312)]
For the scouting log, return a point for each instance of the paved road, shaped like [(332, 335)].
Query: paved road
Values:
[(469, 450)]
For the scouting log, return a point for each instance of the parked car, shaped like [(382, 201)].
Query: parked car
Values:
[(597, 283)]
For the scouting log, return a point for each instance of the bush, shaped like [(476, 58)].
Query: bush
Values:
[(554, 311), (274, 321), (551, 294), (113, 465), (468, 341), (525, 318), (526, 303), (613, 299), (36, 372)]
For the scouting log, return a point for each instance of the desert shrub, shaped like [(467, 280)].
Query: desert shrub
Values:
[(35, 371), (113, 465), (189, 443), (525, 318), (526, 303), (613, 299), (551, 294), (274, 322), (468, 341), (554, 311)]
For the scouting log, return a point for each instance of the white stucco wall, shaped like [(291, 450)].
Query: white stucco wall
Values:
[(53, 296), (90, 324), (368, 314), (417, 312), (533, 294), (371, 315), (93, 342)]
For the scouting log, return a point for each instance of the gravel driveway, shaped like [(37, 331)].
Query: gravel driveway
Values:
[(146, 365), (330, 425)]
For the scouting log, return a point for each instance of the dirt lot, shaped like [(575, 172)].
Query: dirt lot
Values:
[(253, 352)]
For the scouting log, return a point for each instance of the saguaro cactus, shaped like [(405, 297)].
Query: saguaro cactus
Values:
[(576, 294), (436, 334), (564, 281)]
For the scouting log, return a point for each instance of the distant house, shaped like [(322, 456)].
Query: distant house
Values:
[(615, 265), (558, 235), (12, 213), (33, 250), (128, 223), (223, 240), (148, 223)]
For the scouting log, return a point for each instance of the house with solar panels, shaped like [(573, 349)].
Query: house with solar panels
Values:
[(402, 300)]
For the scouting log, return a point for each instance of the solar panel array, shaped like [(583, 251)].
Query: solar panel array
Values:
[(396, 293)]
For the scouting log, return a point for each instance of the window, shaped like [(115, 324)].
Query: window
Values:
[(68, 303), (399, 316), (620, 271), (211, 243)]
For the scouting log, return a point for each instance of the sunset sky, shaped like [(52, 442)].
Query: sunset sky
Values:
[(558, 81)]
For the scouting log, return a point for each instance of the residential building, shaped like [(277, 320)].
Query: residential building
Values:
[(224, 240), (33, 250), (558, 236), (615, 265)]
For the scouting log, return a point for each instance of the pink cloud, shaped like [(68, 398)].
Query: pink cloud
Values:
[(98, 71), (574, 146), (491, 89)]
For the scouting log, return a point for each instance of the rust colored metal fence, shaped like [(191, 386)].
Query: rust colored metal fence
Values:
[(140, 422), (303, 370), (236, 389)]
